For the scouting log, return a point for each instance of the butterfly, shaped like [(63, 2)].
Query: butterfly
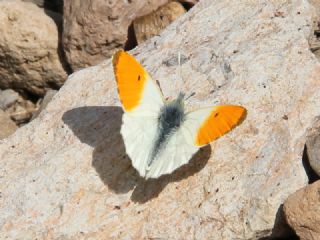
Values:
[(159, 136)]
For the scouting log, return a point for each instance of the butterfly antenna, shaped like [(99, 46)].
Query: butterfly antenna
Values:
[(191, 95), (179, 63), (158, 83), (180, 72)]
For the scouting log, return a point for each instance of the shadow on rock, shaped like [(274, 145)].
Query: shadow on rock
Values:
[(99, 127), (281, 230)]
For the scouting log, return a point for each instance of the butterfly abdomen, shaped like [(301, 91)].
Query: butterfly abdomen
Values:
[(170, 119)]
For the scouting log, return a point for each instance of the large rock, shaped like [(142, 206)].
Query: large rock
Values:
[(302, 212), (94, 30), (29, 59), (65, 175)]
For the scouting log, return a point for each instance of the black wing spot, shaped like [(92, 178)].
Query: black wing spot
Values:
[(138, 77), (216, 115)]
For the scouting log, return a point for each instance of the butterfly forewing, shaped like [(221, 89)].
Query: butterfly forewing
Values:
[(142, 100), (138, 93), (207, 124)]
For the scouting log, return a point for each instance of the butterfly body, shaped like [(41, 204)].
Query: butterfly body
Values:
[(170, 118), (159, 135)]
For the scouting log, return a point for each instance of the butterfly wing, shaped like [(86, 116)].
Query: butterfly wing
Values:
[(142, 100), (139, 135), (208, 124), (199, 128), (138, 93)]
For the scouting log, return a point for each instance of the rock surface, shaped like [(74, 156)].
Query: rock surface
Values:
[(94, 30), (148, 26), (44, 102), (29, 59), (302, 212), (65, 175), (7, 126)]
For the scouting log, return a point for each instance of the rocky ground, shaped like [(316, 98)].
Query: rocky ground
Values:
[(64, 173)]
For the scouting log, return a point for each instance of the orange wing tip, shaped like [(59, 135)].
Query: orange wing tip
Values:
[(130, 77), (221, 120), (116, 58), (243, 115)]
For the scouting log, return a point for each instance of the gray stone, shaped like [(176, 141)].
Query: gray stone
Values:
[(7, 98), (313, 145)]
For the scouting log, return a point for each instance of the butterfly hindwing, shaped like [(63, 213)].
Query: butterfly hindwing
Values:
[(138, 134), (177, 152)]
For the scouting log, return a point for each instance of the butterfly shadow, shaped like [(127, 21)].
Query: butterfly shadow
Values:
[(99, 127)]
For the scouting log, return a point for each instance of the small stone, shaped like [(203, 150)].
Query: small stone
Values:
[(152, 24), (302, 211), (313, 145), (21, 112), (7, 126), (7, 98), (21, 115)]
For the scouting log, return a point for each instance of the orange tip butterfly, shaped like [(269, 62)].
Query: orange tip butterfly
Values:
[(159, 135)]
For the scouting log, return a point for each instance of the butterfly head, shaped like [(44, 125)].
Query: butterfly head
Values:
[(180, 99), (172, 113)]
